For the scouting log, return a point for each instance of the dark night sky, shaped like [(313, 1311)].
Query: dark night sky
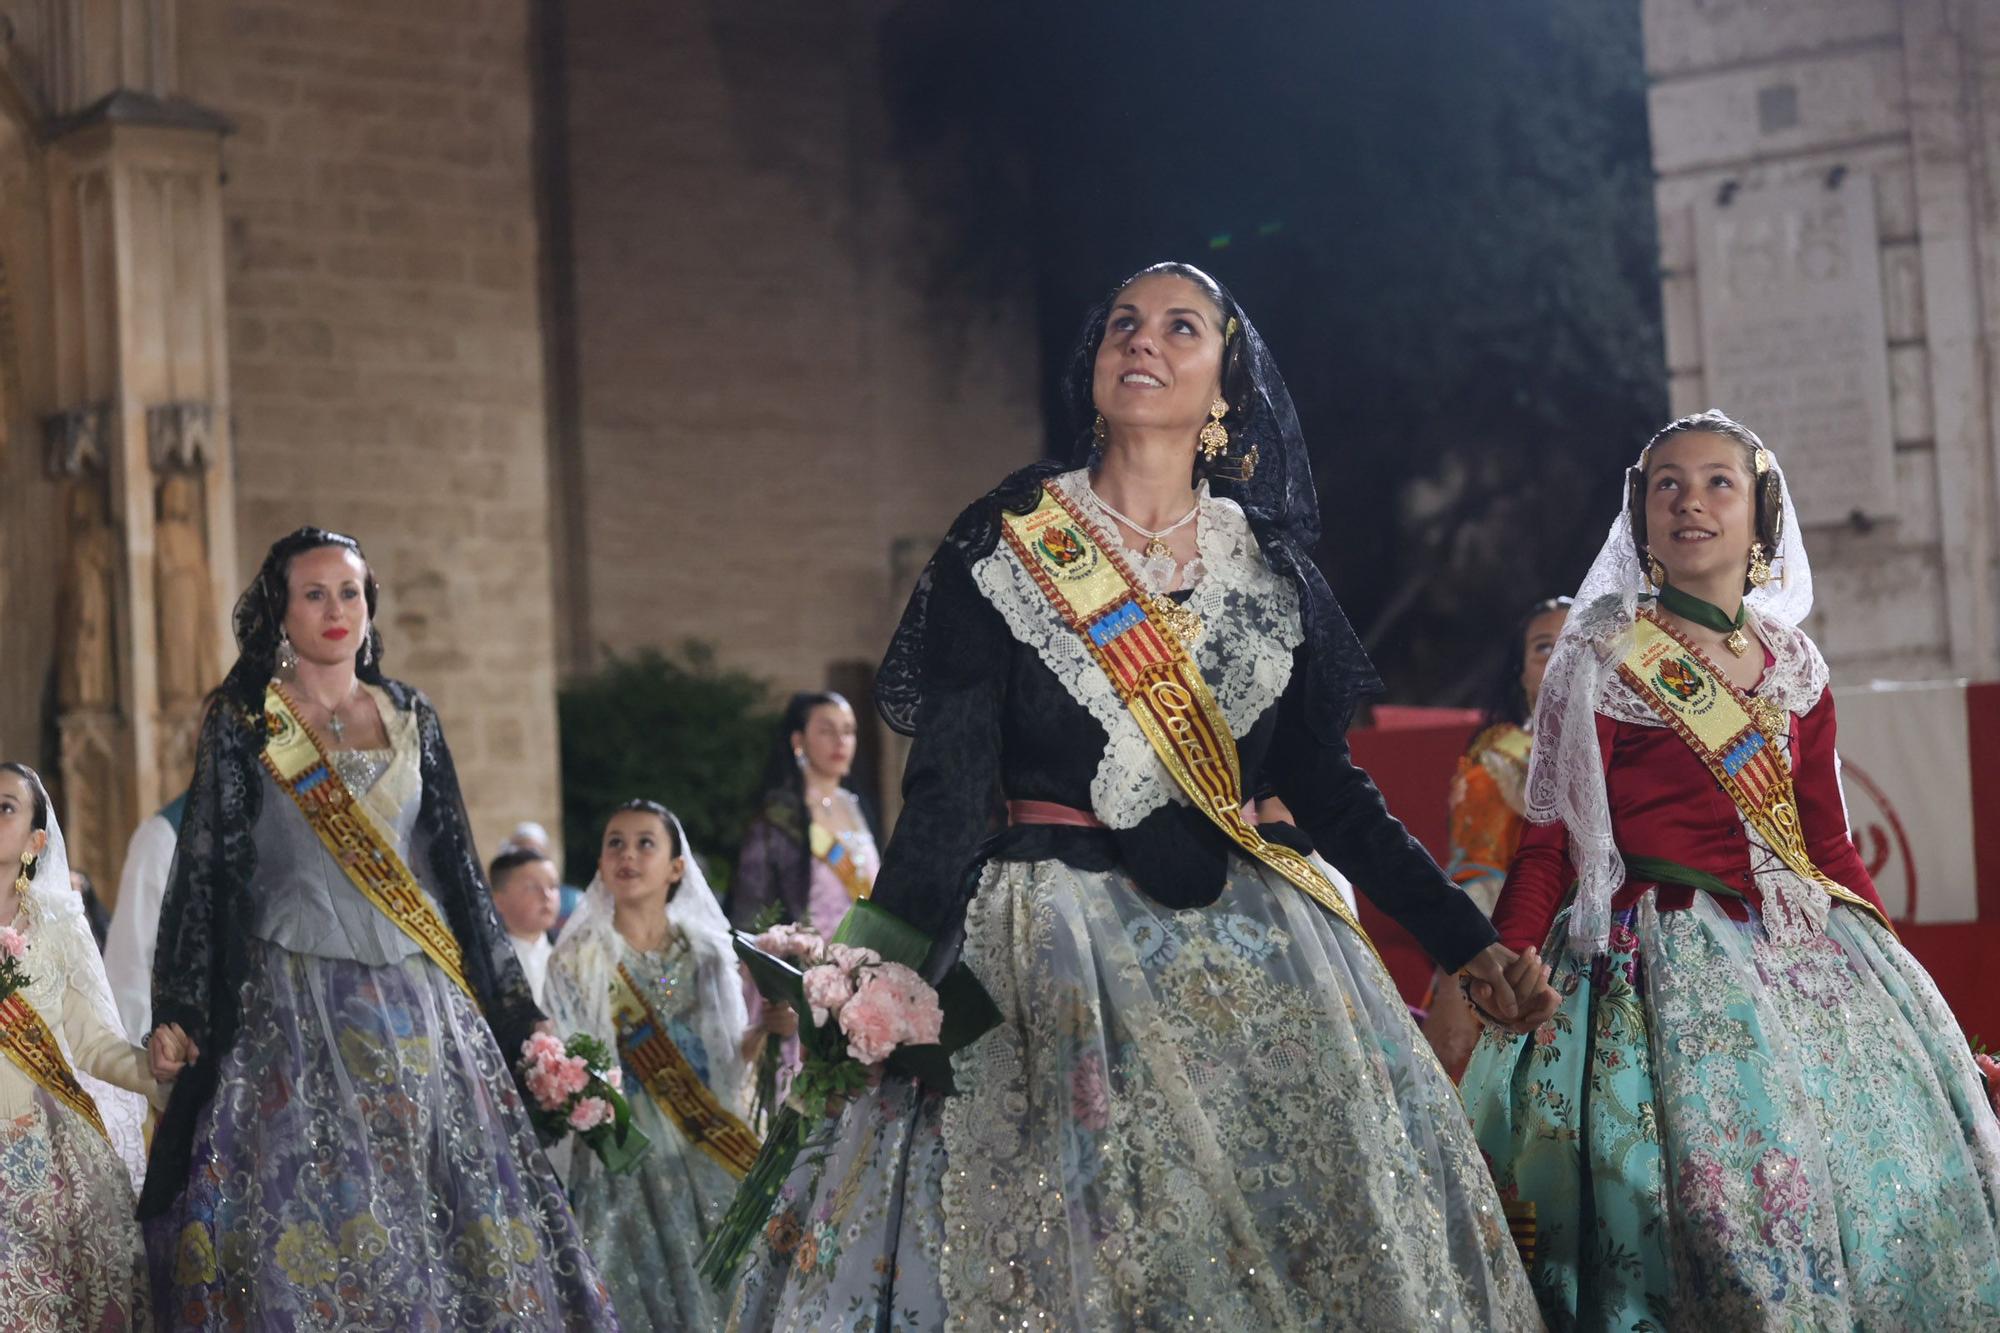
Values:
[(1438, 212)]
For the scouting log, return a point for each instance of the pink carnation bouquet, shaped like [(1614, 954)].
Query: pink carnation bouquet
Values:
[(577, 1088), (864, 1011), (801, 946), (13, 949)]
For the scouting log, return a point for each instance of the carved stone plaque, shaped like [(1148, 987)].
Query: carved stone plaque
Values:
[(1790, 284)]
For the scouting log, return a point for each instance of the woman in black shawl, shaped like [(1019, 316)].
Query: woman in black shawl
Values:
[(1205, 1103), (810, 848), (349, 1146)]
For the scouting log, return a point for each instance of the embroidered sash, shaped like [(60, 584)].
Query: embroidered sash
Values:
[(1516, 743), (26, 1040), (1093, 591), (1734, 736), (832, 850), (672, 1083), (297, 761)]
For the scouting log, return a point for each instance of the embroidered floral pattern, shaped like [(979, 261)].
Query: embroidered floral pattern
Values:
[(70, 1256), (1217, 1115), (1807, 1107), (336, 1184)]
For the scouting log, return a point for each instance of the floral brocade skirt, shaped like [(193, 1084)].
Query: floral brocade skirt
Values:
[(1721, 1132), (1213, 1118), (70, 1256), (367, 1163)]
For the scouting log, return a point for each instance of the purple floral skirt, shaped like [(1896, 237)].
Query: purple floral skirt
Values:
[(367, 1163)]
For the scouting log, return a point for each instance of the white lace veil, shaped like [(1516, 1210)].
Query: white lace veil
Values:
[(586, 956), (63, 952), (1566, 774)]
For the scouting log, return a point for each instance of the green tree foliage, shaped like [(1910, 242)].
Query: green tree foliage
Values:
[(676, 729)]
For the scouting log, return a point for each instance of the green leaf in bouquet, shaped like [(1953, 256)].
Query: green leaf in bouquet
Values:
[(779, 981), (620, 1147), (868, 925), (775, 978)]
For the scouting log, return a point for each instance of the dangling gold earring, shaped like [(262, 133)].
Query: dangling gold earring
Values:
[(1656, 573), (1099, 431), (288, 657), (21, 882), (1214, 437), (1760, 567)]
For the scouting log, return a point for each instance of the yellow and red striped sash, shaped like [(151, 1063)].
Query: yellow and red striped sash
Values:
[(832, 851), (25, 1040), (674, 1085), (1094, 593), (297, 761), (1734, 736)]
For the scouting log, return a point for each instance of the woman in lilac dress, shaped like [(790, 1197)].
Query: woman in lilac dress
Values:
[(349, 1147), (811, 847)]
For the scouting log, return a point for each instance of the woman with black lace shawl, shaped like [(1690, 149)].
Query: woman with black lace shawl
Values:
[(810, 848), (349, 1144), (1205, 1102)]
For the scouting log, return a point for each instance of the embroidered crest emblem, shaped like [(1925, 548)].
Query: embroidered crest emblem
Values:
[(1678, 677), (1064, 552)]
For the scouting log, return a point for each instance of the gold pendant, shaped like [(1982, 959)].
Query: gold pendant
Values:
[(1768, 718), (1738, 642), (1155, 549), (1185, 624)]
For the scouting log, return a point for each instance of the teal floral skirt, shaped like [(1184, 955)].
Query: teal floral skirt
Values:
[(1716, 1131)]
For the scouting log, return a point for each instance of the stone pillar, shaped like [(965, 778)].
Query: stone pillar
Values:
[(141, 433)]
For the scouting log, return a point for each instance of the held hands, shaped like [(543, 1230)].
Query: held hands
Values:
[(1509, 989), (781, 1020), (169, 1051)]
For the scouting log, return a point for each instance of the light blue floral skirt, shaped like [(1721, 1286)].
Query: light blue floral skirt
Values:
[(1218, 1118), (1719, 1132)]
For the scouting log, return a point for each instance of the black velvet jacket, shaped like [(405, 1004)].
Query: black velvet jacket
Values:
[(995, 723), (203, 956)]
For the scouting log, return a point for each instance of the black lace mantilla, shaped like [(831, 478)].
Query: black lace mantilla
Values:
[(203, 956), (1278, 497)]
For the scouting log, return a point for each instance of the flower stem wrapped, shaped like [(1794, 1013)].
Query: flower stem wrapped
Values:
[(865, 1011)]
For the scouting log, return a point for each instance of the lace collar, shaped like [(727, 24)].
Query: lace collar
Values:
[(1251, 626), (1795, 680)]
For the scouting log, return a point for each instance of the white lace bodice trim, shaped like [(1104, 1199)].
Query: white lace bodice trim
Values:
[(1794, 907), (1251, 627), (1795, 682), (58, 943)]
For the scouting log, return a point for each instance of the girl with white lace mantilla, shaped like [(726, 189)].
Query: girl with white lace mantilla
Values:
[(70, 1250), (1753, 1110), (1205, 1102), (650, 942)]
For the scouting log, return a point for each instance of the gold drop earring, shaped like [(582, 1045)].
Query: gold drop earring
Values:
[(1760, 566), (1214, 436), (21, 882), (1656, 573)]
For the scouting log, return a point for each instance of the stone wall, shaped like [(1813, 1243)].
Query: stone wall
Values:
[(1901, 99), (777, 415), (385, 340)]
